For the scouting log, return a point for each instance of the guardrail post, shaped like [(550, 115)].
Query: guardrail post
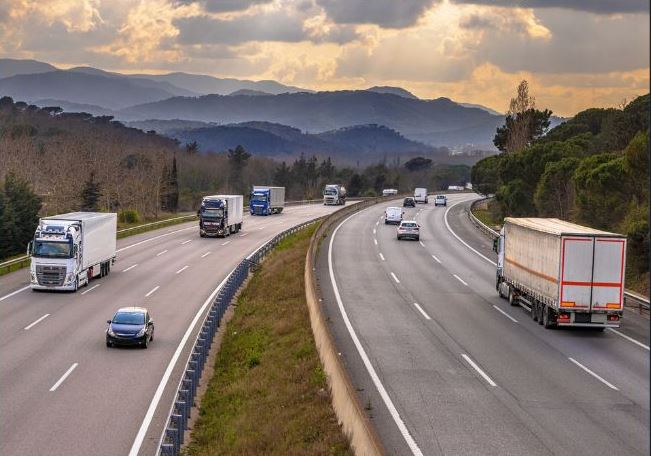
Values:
[(173, 435), (181, 409), (177, 421)]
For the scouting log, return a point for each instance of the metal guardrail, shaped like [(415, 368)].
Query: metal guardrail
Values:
[(630, 299), (177, 420)]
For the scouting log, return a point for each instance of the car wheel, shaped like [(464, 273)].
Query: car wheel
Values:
[(145, 342), (109, 344), (151, 339)]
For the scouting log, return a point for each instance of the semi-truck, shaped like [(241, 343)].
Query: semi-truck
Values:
[(69, 250), (334, 194), (267, 200), (221, 215), (420, 195), (567, 274)]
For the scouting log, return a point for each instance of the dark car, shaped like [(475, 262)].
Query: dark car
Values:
[(130, 326), (409, 202)]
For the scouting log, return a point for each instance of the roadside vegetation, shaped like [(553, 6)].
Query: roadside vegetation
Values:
[(592, 170), (269, 394)]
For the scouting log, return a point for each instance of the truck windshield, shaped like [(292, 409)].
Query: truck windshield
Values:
[(52, 249), (330, 191), (216, 213), (259, 198)]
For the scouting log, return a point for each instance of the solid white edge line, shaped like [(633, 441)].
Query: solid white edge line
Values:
[(90, 289), (142, 432), (155, 237), (437, 260), (420, 309), (64, 376), (460, 279), (182, 269), (505, 314), (161, 253), (29, 326), (205, 254), (152, 291), (601, 379), (382, 257), (421, 243), (130, 267), (411, 443), (395, 278), (478, 369), (630, 339), (14, 293), (226, 243), (445, 218)]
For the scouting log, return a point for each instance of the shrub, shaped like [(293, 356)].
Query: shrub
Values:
[(128, 216)]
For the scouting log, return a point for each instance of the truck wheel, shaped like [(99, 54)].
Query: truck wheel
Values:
[(512, 299), (534, 311), (542, 309), (548, 323)]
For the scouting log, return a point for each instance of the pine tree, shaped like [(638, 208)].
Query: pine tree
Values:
[(173, 188), (91, 194), (18, 215), (237, 160)]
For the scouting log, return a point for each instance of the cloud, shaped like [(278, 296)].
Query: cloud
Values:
[(222, 6), (592, 6), (385, 13)]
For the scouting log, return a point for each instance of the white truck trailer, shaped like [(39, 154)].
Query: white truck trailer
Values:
[(420, 195), (68, 250), (267, 200), (568, 274), (221, 215)]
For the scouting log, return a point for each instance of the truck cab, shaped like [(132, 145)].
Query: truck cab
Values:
[(259, 203), (334, 194), (220, 215), (54, 252)]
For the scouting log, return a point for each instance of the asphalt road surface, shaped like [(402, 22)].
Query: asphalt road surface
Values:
[(62, 390), (444, 366)]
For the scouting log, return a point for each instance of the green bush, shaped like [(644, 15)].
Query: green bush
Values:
[(128, 216)]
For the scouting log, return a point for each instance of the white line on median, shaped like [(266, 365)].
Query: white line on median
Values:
[(505, 314), (374, 231), (63, 377), (630, 339), (90, 289), (14, 293), (411, 443), (261, 228), (226, 243), (375, 240), (460, 279), (185, 242), (36, 322), (395, 278), (182, 269), (243, 234), (437, 260), (421, 243), (205, 254), (382, 256), (420, 309), (162, 253), (152, 291), (130, 267), (155, 237), (601, 379), (478, 369)]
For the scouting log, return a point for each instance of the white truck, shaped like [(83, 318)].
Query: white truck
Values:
[(568, 274), (393, 215), (334, 195), (68, 250), (420, 195), (221, 215), (267, 200), (389, 192)]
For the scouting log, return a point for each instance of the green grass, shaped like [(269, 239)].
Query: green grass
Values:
[(269, 393), (485, 216)]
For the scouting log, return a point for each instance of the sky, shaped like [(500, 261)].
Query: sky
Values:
[(575, 54)]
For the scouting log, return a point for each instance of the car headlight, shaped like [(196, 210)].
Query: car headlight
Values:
[(142, 331), (110, 331)]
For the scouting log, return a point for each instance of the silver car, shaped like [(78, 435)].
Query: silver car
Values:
[(408, 229)]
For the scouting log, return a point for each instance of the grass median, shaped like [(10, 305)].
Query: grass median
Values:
[(269, 394)]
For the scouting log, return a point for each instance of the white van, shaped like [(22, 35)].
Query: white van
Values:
[(393, 215), (420, 195)]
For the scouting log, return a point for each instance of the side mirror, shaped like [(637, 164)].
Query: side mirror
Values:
[(496, 243), (30, 247), (108, 321), (198, 212), (151, 322)]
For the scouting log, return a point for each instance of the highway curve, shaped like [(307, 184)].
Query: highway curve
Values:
[(444, 366), (100, 405)]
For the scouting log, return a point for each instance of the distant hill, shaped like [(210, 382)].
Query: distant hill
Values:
[(166, 126), (249, 93), (75, 107), (12, 67), (394, 91), (439, 122), (478, 106)]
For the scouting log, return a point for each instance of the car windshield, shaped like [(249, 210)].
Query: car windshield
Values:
[(440, 197), (129, 318), (218, 213), (51, 249), (409, 225)]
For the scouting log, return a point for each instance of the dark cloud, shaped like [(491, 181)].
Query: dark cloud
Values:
[(386, 13), (593, 6), (223, 6), (478, 21)]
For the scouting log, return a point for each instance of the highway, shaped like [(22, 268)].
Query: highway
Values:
[(445, 367), (63, 390)]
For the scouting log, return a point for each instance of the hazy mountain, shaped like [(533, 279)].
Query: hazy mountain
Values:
[(75, 107), (249, 92), (485, 108), (436, 122), (394, 91), (165, 126), (12, 67)]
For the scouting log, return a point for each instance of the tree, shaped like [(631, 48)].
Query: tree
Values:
[(355, 185), (523, 123), (237, 161), (19, 215), (418, 164), (170, 188), (283, 177), (327, 169), (554, 195), (192, 148), (91, 194), (484, 175)]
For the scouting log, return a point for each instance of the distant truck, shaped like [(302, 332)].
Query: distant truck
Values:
[(456, 188), (389, 192), (221, 215), (69, 250), (569, 275), (267, 200), (420, 195), (334, 195)]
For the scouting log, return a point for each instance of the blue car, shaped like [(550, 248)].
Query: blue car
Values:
[(130, 326)]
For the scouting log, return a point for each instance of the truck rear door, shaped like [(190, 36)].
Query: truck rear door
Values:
[(576, 272), (608, 274)]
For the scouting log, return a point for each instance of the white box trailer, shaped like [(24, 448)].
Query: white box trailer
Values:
[(221, 215), (570, 275), (68, 250)]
